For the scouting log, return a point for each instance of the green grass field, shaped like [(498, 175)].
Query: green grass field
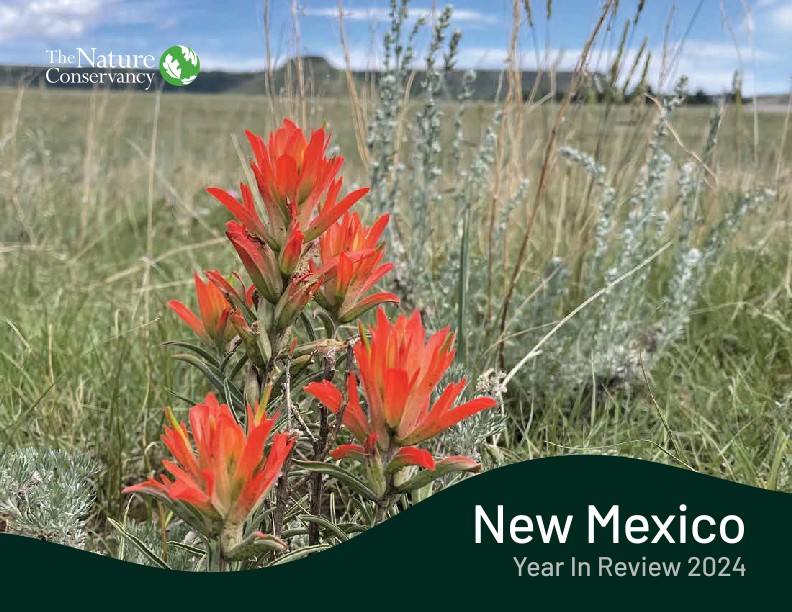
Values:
[(105, 218)]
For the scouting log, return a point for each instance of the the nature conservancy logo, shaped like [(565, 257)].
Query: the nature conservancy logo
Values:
[(179, 66)]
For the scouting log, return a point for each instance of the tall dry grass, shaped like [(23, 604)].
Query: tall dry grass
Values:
[(105, 219)]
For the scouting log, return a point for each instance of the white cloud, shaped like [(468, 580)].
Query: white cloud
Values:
[(162, 13), (748, 23), (769, 17), (47, 18), (382, 14), (51, 19), (725, 52), (779, 19)]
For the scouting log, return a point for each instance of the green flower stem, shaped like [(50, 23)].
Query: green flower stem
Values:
[(320, 448)]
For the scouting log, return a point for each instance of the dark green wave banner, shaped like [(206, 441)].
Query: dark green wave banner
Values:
[(641, 535)]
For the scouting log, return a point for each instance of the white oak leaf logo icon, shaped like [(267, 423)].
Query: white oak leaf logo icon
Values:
[(189, 55), (171, 65)]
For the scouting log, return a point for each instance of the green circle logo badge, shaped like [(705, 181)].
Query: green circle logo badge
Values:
[(179, 65)]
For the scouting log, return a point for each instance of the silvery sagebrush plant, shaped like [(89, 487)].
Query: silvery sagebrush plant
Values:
[(625, 333), (46, 493), (431, 236), (439, 229)]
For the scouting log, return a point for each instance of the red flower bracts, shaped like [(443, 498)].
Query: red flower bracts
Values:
[(295, 213), (223, 479), (296, 184), (212, 326), (299, 242), (357, 253), (399, 370)]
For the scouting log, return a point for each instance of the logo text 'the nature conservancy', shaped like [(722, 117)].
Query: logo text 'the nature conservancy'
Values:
[(135, 67)]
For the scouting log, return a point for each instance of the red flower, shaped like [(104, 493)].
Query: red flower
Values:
[(245, 212), (330, 211), (289, 168), (399, 370), (292, 251), (299, 292), (259, 261), (292, 176), (235, 298), (212, 326), (225, 477), (357, 250)]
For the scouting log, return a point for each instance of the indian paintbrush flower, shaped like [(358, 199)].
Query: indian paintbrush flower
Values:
[(290, 168), (297, 240), (218, 483), (297, 185), (399, 369), (291, 253), (359, 254), (212, 325), (300, 291), (292, 175), (259, 261), (237, 299)]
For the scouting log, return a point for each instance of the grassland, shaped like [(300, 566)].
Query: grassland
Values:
[(105, 217)]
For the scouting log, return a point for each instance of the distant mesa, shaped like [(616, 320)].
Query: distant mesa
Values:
[(323, 80)]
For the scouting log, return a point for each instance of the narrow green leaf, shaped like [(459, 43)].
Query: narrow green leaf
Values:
[(214, 377), (147, 552), (300, 553), (462, 287), (328, 323), (365, 512), (227, 357), (323, 522), (425, 477), (238, 367), (290, 533), (294, 511), (339, 474), (780, 452), (183, 398), (197, 349), (190, 549), (254, 545), (308, 327)]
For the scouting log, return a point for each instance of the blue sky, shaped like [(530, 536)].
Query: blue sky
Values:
[(718, 36)]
